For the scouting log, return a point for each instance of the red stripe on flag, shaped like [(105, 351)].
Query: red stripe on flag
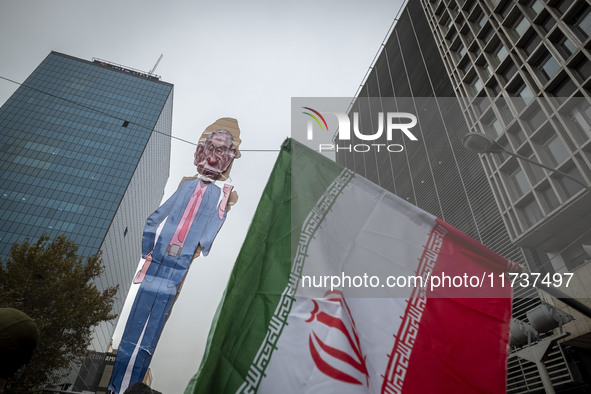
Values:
[(455, 340)]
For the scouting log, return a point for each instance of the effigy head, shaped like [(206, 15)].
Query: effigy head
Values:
[(217, 149)]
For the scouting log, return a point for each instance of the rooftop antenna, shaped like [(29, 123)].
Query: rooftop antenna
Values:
[(156, 65)]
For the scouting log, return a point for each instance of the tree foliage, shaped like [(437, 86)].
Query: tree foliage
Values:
[(54, 286)]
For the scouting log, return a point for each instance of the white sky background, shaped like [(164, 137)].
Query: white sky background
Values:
[(243, 59)]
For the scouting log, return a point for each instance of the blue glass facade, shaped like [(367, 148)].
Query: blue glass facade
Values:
[(65, 157), (85, 152)]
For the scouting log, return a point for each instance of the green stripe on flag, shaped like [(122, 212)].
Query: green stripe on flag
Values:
[(261, 273)]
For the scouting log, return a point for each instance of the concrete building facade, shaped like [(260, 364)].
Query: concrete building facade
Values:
[(518, 72)]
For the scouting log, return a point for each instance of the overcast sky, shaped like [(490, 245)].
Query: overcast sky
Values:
[(243, 59)]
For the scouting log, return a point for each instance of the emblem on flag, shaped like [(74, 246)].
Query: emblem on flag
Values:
[(345, 346)]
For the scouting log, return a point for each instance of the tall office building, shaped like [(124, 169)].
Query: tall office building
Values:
[(517, 71), (84, 151)]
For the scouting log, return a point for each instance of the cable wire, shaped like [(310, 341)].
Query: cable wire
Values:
[(119, 118)]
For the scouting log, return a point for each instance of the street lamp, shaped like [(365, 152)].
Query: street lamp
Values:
[(481, 143)]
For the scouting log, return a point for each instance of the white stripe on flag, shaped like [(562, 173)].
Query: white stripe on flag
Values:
[(362, 232)]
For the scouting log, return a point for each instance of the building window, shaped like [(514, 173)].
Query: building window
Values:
[(482, 103), (487, 70), (534, 117), (583, 68), (517, 134), (562, 5), (555, 150), (492, 125), (481, 21), (493, 3), (563, 44), (564, 88), (547, 66), (574, 255), (549, 198), (462, 51), (501, 157), (486, 34), (494, 86), (523, 95), (569, 186), (535, 173), (449, 24), (584, 24), (504, 110), (500, 52), (520, 26), (466, 65), (530, 44), (452, 35), (520, 183), (531, 212), (582, 21), (506, 8), (548, 23), (453, 10), (484, 68), (469, 5), (467, 34), (550, 66), (508, 71), (581, 117), (536, 6), (475, 84)]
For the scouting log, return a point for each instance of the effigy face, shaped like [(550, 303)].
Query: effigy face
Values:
[(214, 156), (217, 149)]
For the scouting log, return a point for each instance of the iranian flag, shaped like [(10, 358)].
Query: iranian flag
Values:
[(342, 287)]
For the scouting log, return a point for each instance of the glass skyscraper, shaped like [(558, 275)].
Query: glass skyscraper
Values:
[(85, 151)]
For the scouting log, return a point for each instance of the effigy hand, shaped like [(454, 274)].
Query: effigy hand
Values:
[(139, 277)]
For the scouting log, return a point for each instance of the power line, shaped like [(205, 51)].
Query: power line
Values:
[(119, 118)]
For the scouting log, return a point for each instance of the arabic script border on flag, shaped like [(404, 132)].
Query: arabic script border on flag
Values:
[(409, 328), (277, 323)]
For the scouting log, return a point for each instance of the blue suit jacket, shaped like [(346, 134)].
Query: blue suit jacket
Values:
[(203, 231)]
